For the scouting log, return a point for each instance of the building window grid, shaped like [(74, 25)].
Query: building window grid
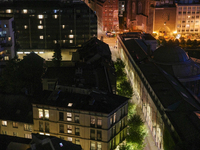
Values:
[(15, 125), (69, 129), (69, 116), (77, 131), (27, 127)]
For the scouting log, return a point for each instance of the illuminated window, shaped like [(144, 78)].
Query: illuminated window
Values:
[(47, 134), (92, 122), (99, 122), (69, 129), (63, 41), (99, 147), (40, 113), (15, 125), (28, 136), (71, 31), (41, 37), (9, 38), (25, 11), (40, 27), (46, 112), (69, 139), (25, 26), (77, 141), (55, 41), (8, 10), (40, 16), (27, 127), (4, 123), (69, 116), (70, 41), (71, 36), (187, 25), (92, 146), (70, 104), (40, 21), (114, 118), (55, 16), (6, 58), (63, 26), (111, 121)]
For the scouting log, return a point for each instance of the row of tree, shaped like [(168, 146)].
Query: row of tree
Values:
[(136, 128), (182, 43)]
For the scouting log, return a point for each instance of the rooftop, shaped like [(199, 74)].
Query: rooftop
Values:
[(94, 102)]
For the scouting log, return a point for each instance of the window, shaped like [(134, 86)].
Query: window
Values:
[(69, 129), (40, 21), (71, 36), (77, 141), (99, 146), (92, 134), (69, 116), (63, 26), (61, 137), (9, 38), (61, 116), (92, 146), (69, 139), (4, 123), (55, 16), (99, 137), (41, 126), (47, 127), (5, 25), (27, 127), (70, 41), (46, 113), (28, 136), (61, 128), (8, 10), (92, 122), (114, 118), (77, 131), (40, 16), (41, 37), (71, 31), (63, 41), (99, 123), (4, 132), (76, 119), (40, 27), (25, 26), (15, 125), (114, 130), (40, 113), (14, 133), (25, 11), (111, 121)]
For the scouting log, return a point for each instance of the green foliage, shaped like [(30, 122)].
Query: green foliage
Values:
[(137, 133), (123, 86), (168, 142), (57, 57), (125, 89), (131, 110)]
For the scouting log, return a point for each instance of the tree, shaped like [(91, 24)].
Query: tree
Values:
[(119, 70), (189, 42), (176, 42), (57, 57), (125, 89), (194, 43)]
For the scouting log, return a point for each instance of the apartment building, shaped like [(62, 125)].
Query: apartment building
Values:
[(38, 25), (187, 19), (16, 118), (7, 42), (96, 121)]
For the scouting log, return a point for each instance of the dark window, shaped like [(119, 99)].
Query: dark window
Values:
[(61, 128), (47, 127), (41, 126), (61, 116), (77, 119), (92, 134), (99, 137), (77, 131)]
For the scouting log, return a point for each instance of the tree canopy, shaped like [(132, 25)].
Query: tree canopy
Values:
[(57, 57)]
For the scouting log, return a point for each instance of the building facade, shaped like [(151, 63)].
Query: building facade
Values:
[(39, 25)]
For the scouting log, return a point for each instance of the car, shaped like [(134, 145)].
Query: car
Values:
[(109, 34)]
